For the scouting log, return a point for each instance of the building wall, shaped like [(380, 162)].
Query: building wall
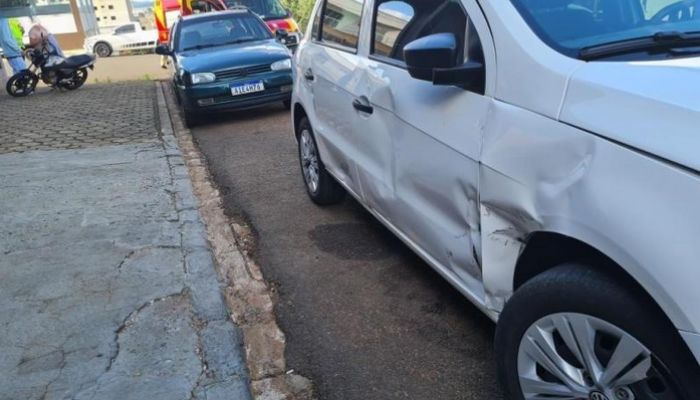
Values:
[(112, 13), (69, 20)]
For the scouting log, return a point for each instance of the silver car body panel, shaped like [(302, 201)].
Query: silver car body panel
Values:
[(555, 145)]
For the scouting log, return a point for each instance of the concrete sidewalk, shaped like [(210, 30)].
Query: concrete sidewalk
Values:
[(107, 283)]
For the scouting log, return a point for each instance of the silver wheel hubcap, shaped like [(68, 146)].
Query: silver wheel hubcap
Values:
[(102, 50), (309, 160), (575, 356)]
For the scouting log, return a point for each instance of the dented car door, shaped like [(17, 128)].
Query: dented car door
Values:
[(431, 158)]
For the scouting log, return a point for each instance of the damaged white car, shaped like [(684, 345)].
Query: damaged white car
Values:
[(543, 156)]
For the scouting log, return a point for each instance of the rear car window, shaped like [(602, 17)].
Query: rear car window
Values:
[(266, 9), (212, 32), (340, 22)]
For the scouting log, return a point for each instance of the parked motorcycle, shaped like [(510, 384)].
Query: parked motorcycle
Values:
[(65, 73)]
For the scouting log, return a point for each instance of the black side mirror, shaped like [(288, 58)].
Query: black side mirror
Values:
[(163, 50), (433, 58), (282, 35)]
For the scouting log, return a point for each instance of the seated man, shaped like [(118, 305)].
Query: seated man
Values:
[(40, 36)]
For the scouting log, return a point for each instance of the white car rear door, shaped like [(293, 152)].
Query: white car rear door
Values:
[(331, 68)]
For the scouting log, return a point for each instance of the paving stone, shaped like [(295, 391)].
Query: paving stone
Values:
[(109, 288), (95, 115)]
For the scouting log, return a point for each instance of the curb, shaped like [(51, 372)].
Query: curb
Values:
[(247, 294)]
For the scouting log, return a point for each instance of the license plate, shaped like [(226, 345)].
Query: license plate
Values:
[(248, 87)]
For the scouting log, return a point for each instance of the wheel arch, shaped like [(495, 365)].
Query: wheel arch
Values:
[(545, 250), (298, 113)]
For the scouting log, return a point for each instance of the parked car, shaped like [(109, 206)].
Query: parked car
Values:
[(542, 156), (275, 16), (227, 60), (125, 38)]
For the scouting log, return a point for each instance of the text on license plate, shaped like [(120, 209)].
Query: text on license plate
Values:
[(248, 87)]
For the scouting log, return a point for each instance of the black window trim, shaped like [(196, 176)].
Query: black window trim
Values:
[(319, 39)]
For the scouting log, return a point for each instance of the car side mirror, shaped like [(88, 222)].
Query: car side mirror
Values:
[(163, 50), (282, 35), (433, 58)]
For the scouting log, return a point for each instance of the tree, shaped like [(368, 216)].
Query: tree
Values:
[(301, 9)]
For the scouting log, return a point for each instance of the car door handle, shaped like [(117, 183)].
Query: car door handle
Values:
[(362, 107), (309, 75)]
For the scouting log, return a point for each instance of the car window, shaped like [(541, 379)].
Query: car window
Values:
[(199, 7), (171, 39), (340, 23), (391, 20), (570, 25), (125, 29), (266, 9), (212, 32), (399, 22)]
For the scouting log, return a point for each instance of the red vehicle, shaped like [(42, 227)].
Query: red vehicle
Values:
[(271, 11), (275, 16)]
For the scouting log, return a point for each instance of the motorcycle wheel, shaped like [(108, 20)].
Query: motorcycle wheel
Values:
[(77, 79), (21, 84)]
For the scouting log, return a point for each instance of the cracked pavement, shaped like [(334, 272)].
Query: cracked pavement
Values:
[(108, 288)]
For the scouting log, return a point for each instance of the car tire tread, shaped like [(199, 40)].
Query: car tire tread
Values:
[(329, 191), (587, 290)]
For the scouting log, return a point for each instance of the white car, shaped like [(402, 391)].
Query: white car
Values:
[(124, 39), (542, 156)]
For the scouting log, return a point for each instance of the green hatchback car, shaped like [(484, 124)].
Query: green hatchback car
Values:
[(227, 60)]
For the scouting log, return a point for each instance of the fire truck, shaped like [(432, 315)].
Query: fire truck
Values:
[(271, 11)]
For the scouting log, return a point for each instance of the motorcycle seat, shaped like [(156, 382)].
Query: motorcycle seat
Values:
[(76, 61)]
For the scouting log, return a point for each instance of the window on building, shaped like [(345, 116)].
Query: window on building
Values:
[(111, 7), (341, 22), (113, 18)]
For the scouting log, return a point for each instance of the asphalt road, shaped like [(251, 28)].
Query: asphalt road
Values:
[(365, 318)]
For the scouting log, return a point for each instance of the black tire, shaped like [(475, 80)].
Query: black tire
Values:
[(77, 80), (191, 120), (584, 290), (287, 104), (21, 84), (102, 49), (327, 191)]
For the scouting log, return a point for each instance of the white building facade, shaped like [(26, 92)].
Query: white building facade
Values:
[(112, 13)]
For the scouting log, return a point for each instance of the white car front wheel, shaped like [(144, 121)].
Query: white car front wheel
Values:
[(575, 332)]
